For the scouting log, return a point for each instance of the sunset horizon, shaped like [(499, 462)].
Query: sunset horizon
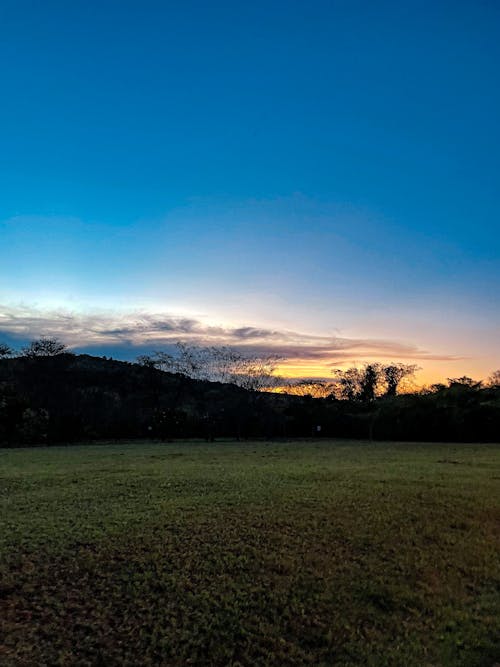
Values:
[(125, 335), (322, 178)]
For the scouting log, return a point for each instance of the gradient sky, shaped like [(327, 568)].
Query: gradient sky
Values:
[(316, 179)]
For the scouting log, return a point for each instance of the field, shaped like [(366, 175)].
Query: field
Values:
[(298, 553)]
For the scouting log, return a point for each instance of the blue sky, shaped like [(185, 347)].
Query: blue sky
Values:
[(326, 168)]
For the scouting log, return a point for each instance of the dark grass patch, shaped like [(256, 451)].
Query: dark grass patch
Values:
[(305, 560)]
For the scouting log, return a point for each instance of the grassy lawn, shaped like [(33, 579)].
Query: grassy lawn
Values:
[(299, 553)]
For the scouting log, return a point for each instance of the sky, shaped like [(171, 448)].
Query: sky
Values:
[(315, 180)]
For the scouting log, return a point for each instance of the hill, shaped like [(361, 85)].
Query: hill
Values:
[(74, 397), (68, 398)]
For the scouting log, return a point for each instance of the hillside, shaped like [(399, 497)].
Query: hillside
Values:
[(68, 398), (74, 397)]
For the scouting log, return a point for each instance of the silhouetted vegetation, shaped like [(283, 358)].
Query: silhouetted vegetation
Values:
[(5, 350), (48, 395), (44, 347)]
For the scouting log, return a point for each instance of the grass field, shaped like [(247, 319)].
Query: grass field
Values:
[(300, 553)]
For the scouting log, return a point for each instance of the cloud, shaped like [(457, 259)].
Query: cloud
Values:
[(129, 334)]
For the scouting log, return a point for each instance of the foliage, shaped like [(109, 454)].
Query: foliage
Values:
[(349, 382), (494, 379), (464, 381), (34, 425), (5, 350), (372, 380), (309, 387), (394, 374), (369, 382), (44, 347), (83, 397), (216, 364)]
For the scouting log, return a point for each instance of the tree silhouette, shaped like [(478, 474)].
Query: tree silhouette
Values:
[(310, 387), (464, 381), (370, 378), (216, 364), (349, 382), (494, 379), (5, 351), (44, 347), (394, 373)]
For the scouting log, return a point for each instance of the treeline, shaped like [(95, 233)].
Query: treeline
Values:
[(49, 395)]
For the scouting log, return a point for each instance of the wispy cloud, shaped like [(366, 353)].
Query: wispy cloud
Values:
[(142, 330)]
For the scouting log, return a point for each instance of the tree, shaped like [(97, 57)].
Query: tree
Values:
[(349, 382), (184, 366), (216, 364), (309, 387), (370, 379), (464, 381), (494, 379), (394, 373), (44, 347), (359, 384), (255, 373), (436, 388), (5, 351)]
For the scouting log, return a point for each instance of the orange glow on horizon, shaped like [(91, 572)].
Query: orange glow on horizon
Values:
[(430, 371)]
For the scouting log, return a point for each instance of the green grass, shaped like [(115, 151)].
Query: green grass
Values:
[(300, 553)]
